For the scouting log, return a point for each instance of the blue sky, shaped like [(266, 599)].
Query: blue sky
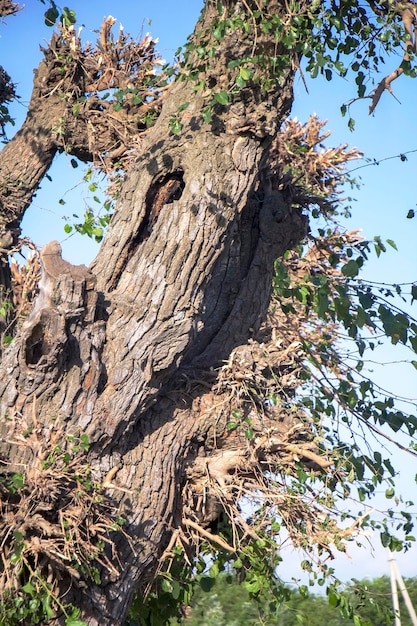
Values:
[(388, 190)]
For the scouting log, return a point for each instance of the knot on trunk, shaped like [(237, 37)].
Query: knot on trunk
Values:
[(46, 336), (67, 299), (68, 289)]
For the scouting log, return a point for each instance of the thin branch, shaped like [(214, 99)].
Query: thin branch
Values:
[(408, 14), (378, 161), (205, 533)]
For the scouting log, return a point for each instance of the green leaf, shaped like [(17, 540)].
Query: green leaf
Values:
[(33, 605), (389, 467), (214, 570), (249, 434), (334, 599), (51, 16), (314, 70), (46, 606), (395, 326), (207, 115), (175, 126), (351, 124), (18, 481), (98, 234), (222, 97), (183, 106), (15, 558), (207, 583), (366, 299), (166, 585), (385, 539), (218, 33), (176, 590), (252, 586), (350, 269), (244, 73), (68, 17), (29, 588)]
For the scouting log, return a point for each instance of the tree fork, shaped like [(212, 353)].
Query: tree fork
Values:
[(183, 276)]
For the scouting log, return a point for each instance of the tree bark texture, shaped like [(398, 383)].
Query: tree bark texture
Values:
[(182, 278)]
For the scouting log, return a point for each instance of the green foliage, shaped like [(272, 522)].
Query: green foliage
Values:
[(121, 96), (5, 307), (30, 572), (54, 14), (339, 396), (173, 589), (94, 223), (367, 603), (344, 38), (179, 584), (7, 94), (226, 603)]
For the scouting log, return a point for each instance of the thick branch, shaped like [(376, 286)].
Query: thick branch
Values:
[(407, 11), (60, 118)]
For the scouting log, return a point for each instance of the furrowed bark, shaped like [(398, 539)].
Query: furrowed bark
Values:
[(184, 276)]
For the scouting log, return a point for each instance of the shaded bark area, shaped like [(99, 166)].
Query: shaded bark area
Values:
[(25, 160), (183, 277)]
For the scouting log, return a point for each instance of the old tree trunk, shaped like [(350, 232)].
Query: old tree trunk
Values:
[(125, 353)]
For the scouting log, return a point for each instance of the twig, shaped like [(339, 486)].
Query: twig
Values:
[(205, 533)]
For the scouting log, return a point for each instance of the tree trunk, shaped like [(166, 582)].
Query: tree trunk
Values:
[(182, 278)]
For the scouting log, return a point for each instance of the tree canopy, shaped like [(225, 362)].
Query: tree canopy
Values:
[(228, 604)]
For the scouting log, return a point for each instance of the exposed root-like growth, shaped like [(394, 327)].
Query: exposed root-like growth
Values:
[(312, 170), (55, 521), (113, 92), (263, 446)]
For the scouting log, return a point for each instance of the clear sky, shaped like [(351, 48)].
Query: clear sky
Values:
[(388, 191)]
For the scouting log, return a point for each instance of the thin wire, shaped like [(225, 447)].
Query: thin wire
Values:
[(401, 156)]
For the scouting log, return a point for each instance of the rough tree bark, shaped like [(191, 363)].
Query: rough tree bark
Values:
[(182, 278)]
